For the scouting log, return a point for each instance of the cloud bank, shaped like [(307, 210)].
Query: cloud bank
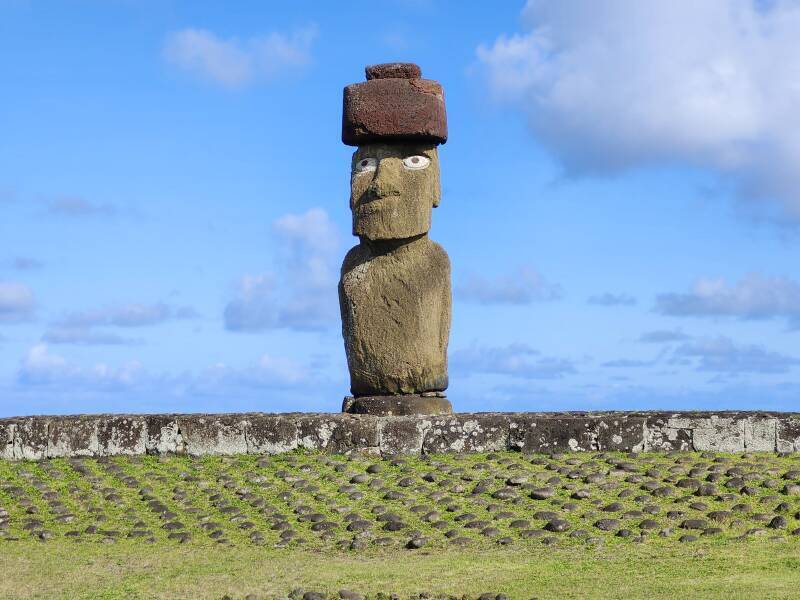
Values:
[(16, 302), (756, 296), (722, 355), (516, 360), (25, 263), (301, 292), (524, 286), (42, 367), (616, 84), (609, 299), (81, 327), (663, 336), (76, 208), (235, 63)]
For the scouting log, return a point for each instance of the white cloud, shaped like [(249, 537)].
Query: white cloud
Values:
[(615, 84), (662, 336), (78, 207), (16, 302), (127, 315), (24, 263), (81, 327), (516, 360), (754, 297), (234, 63), (301, 294), (309, 240), (609, 299), (254, 308), (40, 364), (269, 371), (522, 287), (722, 355), (42, 367), (628, 363), (85, 337)]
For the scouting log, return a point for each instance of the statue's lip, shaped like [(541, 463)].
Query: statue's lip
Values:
[(370, 198)]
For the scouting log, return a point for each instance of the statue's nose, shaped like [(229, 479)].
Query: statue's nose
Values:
[(387, 179)]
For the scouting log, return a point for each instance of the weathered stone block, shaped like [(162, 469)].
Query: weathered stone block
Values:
[(72, 436), (620, 432), (760, 434), (30, 438), (467, 433), (714, 433), (402, 435), (35, 438), (661, 437), (567, 432), (213, 434), (357, 433), (788, 434), (164, 435), (122, 435), (337, 433), (271, 434), (7, 428)]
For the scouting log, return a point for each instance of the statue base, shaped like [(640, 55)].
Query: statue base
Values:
[(399, 405)]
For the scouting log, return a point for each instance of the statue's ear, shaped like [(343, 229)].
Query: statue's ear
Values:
[(437, 190)]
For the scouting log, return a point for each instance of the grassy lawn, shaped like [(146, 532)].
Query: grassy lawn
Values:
[(752, 569), (586, 525)]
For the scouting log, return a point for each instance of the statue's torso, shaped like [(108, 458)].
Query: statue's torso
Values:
[(395, 309)]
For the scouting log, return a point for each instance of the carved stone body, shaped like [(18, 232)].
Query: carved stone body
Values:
[(395, 303)]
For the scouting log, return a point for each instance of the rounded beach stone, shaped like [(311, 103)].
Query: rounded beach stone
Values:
[(607, 524), (557, 525), (694, 524), (778, 522), (624, 533), (416, 543), (542, 493)]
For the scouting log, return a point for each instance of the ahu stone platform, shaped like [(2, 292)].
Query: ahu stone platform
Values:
[(39, 437)]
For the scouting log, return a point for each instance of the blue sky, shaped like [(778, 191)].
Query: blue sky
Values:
[(621, 201)]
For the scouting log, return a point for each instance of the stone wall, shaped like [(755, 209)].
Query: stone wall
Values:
[(40, 437)]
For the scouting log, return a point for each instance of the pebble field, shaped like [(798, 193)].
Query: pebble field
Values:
[(408, 504)]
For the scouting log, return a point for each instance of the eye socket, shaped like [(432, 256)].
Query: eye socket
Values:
[(416, 162), (366, 164)]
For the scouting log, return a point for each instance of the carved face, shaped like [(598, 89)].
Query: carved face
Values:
[(393, 188)]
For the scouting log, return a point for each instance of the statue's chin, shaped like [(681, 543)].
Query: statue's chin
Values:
[(376, 226)]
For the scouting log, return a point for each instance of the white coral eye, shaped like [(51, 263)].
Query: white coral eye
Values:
[(416, 162), (366, 164)]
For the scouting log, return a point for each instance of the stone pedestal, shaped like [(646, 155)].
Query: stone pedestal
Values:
[(397, 406)]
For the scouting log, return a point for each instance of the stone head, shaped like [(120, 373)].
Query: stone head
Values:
[(396, 119), (393, 188)]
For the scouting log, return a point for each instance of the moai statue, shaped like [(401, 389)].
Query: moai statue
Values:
[(394, 291)]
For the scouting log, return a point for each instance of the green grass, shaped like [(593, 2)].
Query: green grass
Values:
[(66, 526), (657, 569)]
